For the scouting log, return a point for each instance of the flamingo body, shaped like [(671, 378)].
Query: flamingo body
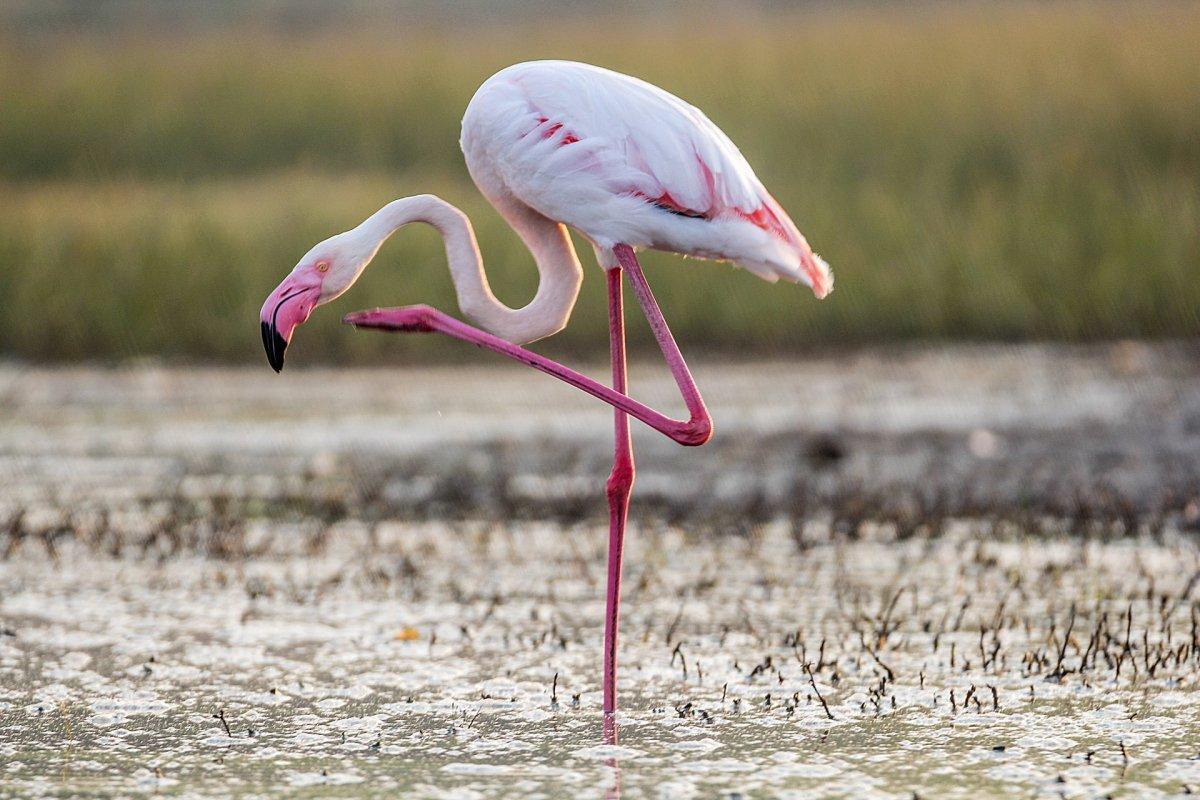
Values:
[(623, 161)]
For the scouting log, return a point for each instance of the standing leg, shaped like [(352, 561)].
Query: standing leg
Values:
[(619, 485)]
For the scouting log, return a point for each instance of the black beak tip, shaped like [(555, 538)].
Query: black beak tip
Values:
[(274, 345)]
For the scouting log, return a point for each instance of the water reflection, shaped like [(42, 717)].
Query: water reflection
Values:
[(611, 729), (611, 734)]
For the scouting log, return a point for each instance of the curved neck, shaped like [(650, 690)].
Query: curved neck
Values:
[(559, 272)]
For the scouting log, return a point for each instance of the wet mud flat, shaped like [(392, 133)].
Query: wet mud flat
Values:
[(1100, 438), (462, 661), (966, 572)]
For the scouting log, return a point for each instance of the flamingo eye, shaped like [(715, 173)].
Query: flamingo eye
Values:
[(322, 266)]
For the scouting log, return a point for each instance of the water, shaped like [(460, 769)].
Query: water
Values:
[(426, 664), (967, 572), (1090, 434)]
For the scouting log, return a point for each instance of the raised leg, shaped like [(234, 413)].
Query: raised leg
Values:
[(694, 431), (620, 482), (666, 342)]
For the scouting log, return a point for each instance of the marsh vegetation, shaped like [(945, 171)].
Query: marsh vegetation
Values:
[(987, 171)]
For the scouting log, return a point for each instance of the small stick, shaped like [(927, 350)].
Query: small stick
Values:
[(812, 682)]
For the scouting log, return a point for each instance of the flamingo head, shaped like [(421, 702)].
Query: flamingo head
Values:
[(325, 272)]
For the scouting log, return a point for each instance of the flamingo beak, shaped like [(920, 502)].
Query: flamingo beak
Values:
[(275, 345), (286, 309)]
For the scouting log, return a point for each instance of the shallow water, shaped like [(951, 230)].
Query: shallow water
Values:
[(425, 663), (370, 583), (1093, 435)]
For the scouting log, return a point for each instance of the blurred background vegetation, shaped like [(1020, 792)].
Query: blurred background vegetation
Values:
[(991, 171)]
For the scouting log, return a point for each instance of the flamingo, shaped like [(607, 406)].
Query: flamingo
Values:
[(558, 144)]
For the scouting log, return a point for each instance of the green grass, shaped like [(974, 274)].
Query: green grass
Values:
[(1011, 172)]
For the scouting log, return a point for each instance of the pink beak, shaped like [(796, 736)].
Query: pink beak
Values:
[(286, 309)]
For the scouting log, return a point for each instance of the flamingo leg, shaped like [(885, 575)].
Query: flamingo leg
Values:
[(666, 342), (696, 430), (619, 485)]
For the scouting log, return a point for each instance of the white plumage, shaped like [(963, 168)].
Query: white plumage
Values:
[(623, 161), (552, 144)]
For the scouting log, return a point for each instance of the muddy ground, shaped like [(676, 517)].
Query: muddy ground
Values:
[(1103, 434), (966, 572)]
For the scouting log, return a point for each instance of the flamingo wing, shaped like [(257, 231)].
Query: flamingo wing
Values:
[(626, 162)]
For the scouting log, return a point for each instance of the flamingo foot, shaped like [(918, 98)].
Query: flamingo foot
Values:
[(414, 319)]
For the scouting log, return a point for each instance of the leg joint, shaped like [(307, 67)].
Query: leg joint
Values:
[(694, 432), (621, 480)]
